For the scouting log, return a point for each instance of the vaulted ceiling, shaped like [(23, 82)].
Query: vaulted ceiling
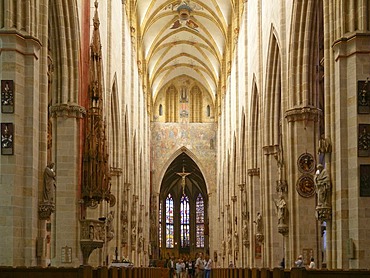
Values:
[(184, 38)]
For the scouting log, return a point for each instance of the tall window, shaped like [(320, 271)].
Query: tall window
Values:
[(199, 221), (169, 222), (160, 224), (160, 110), (185, 222)]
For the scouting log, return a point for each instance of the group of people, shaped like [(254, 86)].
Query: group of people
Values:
[(185, 267), (300, 263)]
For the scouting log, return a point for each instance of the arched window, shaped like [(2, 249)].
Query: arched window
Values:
[(169, 222), (199, 221), (160, 110), (185, 221), (160, 224)]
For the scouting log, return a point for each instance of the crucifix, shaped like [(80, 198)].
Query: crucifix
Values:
[(183, 176)]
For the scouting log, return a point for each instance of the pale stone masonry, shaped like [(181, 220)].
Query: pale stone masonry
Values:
[(286, 75)]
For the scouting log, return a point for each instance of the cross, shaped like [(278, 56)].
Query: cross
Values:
[(183, 176)]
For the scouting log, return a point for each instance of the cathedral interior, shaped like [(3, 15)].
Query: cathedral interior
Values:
[(138, 130)]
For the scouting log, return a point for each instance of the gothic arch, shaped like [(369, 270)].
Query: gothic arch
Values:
[(63, 47), (272, 113), (254, 125), (115, 125), (303, 56), (172, 158), (242, 148)]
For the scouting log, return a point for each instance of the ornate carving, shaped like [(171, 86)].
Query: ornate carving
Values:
[(303, 114), (91, 237), (45, 210), (253, 172), (283, 229), (67, 110), (323, 213), (96, 171), (281, 186)]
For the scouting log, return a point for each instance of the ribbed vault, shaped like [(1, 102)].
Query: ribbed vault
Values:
[(184, 38)]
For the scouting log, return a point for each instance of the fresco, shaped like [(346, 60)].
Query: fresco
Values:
[(198, 138)]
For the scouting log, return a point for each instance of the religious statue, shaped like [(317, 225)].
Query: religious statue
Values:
[(281, 210), (229, 243), (322, 184), (223, 247), (110, 225), (49, 183), (258, 223), (133, 236), (183, 181), (324, 145), (236, 238)]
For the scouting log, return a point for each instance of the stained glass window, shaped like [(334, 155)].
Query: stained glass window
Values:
[(169, 222), (185, 223), (199, 221), (160, 224)]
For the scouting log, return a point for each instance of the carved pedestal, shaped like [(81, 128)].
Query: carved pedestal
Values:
[(45, 210), (283, 229), (323, 213), (92, 237)]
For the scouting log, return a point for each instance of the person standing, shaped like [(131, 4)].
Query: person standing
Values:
[(207, 267), (171, 266), (199, 266), (299, 261), (312, 264)]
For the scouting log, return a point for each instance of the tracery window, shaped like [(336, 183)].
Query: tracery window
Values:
[(199, 221), (169, 222), (185, 221), (160, 224)]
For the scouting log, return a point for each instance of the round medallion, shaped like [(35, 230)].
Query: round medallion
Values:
[(306, 186), (306, 163)]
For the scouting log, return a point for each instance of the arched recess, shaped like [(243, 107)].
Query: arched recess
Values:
[(272, 97), (183, 202), (115, 125), (304, 56), (62, 46), (173, 157), (254, 126), (242, 149)]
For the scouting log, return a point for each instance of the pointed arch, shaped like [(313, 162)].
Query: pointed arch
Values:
[(254, 125), (242, 148), (272, 98), (172, 158), (303, 56), (115, 125)]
